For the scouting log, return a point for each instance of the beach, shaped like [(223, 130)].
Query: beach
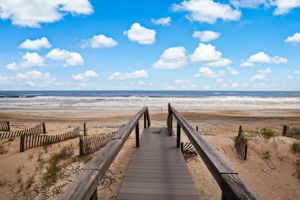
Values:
[(272, 178)]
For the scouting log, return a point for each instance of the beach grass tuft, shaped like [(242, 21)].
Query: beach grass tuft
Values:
[(295, 147)]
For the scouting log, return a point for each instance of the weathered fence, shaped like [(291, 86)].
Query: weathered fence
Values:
[(92, 143), (233, 188), (85, 185), (4, 126), (291, 132), (241, 145), (31, 141), (39, 129)]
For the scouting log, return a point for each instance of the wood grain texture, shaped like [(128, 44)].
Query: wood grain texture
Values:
[(157, 170)]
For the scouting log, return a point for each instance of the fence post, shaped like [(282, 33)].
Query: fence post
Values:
[(8, 127), (145, 120), (246, 151), (137, 137), (178, 135), (284, 130), (223, 197), (44, 127), (181, 146), (81, 153), (240, 131), (197, 128), (84, 129), (170, 120), (22, 139)]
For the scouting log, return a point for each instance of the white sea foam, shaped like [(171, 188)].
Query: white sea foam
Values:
[(136, 102)]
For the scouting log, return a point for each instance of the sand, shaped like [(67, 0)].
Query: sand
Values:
[(273, 178)]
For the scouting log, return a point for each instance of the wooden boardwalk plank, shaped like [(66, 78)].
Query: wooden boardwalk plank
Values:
[(157, 170)]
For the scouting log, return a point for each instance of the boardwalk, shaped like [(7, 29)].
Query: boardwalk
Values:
[(157, 170)]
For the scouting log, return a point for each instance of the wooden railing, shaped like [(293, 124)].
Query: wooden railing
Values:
[(85, 185), (233, 188)]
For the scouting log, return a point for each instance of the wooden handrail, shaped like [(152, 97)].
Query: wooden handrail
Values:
[(233, 188), (84, 187)]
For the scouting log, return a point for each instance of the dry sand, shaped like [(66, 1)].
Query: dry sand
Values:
[(272, 178)]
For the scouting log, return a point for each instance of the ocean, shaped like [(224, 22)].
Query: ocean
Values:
[(133, 100)]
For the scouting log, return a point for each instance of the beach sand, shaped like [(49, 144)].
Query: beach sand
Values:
[(272, 178)]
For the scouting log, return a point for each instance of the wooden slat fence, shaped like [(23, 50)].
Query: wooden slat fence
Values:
[(241, 145), (93, 143), (4, 126), (39, 129), (292, 132), (31, 141)]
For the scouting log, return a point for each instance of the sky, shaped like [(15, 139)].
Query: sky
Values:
[(150, 45)]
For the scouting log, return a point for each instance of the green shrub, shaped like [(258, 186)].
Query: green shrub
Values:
[(266, 155), (267, 133), (295, 147)]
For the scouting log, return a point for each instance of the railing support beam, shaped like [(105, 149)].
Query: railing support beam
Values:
[(178, 135), (137, 135)]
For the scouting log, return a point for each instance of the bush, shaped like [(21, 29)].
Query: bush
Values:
[(295, 147), (266, 155), (267, 133)]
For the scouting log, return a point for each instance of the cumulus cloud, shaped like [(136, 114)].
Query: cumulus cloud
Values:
[(100, 41), (232, 71), (165, 21), (285, 6), (33, 75), (32, 60), (209, 73), (70, 58), (35, 44), (172, 58), (140, 34), (262, 57), (85, 76), (207, 11), (261, 74), (296, 72), (249, 3), (131, 75), (12, 66), (206, 36), (31, 13), (185, 83), (4, 78), (293, 39), (207, 53)]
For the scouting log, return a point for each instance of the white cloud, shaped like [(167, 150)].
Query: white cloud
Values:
[(172, 58), (85, 76), (220, 80), (261, 74), (100, 41), (12, 66), (296, 72), (232, 71), (140, 34), (206, 36), (32, 60), (31, 13), (207, 53), (165, 21), (182, 81), (285, 6), (235, 85), (70, 58), (35, 44), (293, 39), (4, 78), (262, 57), (209, 73), (249, 3), (207, 11), (33, 75), (131, 75), (219, 63)]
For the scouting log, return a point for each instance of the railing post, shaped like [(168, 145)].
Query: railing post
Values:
[(170, 120), (44, 127), (284, 130), (84, 129), (197, 128), (240, 131), (137, 137), (94, 196), (145, 120), (178, 135)]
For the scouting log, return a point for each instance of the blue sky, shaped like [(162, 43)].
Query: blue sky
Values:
[(150, 45)]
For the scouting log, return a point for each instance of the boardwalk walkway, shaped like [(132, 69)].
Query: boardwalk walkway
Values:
[(157, 170)]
